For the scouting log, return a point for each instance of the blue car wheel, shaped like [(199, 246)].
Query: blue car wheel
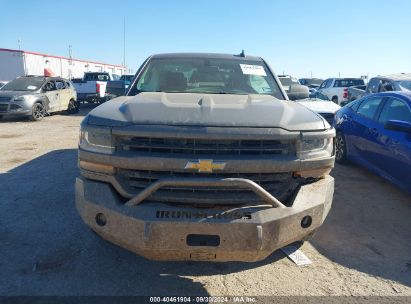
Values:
[(340, 149)]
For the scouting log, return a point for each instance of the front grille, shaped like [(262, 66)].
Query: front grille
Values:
[(329, 117), (181, 146), (3, 108), (281, 185)]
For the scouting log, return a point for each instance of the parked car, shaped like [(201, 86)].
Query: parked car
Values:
[(395, 82), (36, 96), (322, 105), (92, 88), (199, 162), (336, 89), (293, 88), (119, 87), (375, 132)]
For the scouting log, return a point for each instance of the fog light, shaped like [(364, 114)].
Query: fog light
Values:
[(306, 221), (101, 219)]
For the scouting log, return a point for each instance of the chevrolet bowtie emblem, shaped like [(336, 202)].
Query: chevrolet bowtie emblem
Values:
[(205, 165)]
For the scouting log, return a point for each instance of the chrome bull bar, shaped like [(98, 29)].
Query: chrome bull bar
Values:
[(207, 182)]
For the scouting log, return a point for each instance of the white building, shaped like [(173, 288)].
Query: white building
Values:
[(14, 63)]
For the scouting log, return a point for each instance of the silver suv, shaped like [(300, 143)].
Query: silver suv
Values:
[(36, 96)]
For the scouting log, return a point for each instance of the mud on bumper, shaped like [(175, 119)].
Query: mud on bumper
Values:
[(164, 232)]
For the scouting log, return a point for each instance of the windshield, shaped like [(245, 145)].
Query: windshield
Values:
[(24, 84), (207, 75)]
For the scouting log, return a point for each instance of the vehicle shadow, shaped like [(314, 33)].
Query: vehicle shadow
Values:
[(50, 251), (85, 108), (368, 228)]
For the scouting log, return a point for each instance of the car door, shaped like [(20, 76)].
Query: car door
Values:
[(63, 94), (394, 146), (325, 87), (52, 95), (363, 133)]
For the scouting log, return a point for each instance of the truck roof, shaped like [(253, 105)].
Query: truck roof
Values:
[(207, 55)]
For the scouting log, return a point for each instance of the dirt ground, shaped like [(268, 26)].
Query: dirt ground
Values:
[(364, 247)]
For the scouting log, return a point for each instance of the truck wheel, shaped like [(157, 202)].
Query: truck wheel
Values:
[(340, 149), (334, 99), (73, 107), (37, 112)]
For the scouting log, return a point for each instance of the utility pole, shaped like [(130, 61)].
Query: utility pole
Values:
[(311, 74), (70, 62), (18, 42), (124, 44)]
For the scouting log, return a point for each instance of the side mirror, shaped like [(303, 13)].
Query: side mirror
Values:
[(298, 91), (398, 125)]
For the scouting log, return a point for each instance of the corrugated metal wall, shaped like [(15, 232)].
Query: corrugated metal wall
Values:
[(12, 65)]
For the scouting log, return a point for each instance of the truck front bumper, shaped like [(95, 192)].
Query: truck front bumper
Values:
[(169, 232)]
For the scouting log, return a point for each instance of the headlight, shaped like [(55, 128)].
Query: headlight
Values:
[(20, 98), (316, 148), (96, 140)]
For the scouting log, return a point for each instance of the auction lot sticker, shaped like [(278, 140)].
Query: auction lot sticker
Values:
[(249, 69)]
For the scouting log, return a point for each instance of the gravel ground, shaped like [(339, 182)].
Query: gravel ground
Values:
[(364, 247)]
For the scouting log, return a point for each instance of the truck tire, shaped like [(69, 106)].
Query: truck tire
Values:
[(340, 149), (335, 99), (73, 107), (37, 112)]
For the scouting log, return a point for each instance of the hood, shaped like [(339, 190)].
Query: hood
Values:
[(183, 109), (319, 106), (7, 95)]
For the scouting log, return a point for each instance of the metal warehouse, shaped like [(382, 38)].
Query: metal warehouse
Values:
[(14, 63)]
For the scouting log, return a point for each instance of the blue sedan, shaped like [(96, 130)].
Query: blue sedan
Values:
[(375, 132)]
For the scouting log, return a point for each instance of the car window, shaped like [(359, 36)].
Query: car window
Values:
[(385, 86), (60, 85), (328, 83), (322, 86), (395, 109), (344, 83), (50, 86), (354, 104), (97, 77), (405, 85), (373, 85), (369, 107)]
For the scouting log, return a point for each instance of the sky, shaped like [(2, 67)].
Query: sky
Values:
[(322, 38)]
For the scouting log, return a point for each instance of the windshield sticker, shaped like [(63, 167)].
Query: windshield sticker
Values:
[(31, 87), (249, 69)]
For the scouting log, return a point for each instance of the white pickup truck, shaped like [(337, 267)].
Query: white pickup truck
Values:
[(336, 89), (92, 88)]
